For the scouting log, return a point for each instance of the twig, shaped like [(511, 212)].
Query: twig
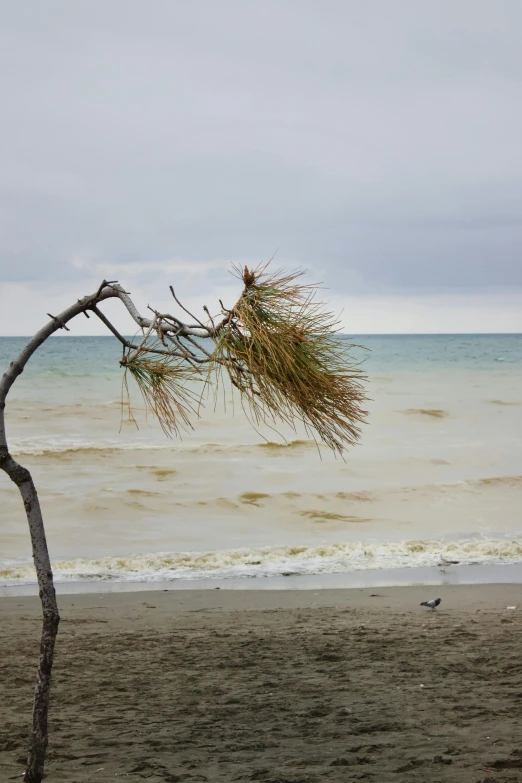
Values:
[(185, 309), (225, 309), (127, 343), (60, 324), (105, 283), (205, 308), (86, 314), (144, 339)]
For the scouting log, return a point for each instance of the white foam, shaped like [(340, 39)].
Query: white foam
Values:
[(272, 561), (38, 447), (48, 445)]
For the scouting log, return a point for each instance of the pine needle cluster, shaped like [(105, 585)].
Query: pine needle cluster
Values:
[(283, 352), (280, 349)]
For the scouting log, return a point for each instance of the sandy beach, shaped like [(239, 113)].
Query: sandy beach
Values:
[(275, 686)]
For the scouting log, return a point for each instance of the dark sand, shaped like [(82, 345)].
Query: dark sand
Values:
[(279, 687)]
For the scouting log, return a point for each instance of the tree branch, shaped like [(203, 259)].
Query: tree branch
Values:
[(107, 290), (127, 343)]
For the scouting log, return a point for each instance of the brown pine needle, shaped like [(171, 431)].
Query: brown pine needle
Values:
[(163, 386), (278, 346), (283, 352)]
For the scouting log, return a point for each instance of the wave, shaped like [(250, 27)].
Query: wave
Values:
[(434, 413), (500, 481), (47, 447), (66, 447), (272, 561), (364, 496), (253, 498), (293, 444), (162, 474), (330, 516), (56, 448)]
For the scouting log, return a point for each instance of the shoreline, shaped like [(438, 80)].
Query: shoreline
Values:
[(508, 573), (128, 605), (128, 610)]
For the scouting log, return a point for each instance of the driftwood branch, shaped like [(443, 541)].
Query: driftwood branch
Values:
[(23, 480), (278, 349)]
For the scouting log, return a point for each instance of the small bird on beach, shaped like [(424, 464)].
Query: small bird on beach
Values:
[(431, 604), (444, 563)]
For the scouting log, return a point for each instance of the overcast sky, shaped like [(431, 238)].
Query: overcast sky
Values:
[(377, 143)]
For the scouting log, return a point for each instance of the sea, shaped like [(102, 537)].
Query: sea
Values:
[(438, 471)]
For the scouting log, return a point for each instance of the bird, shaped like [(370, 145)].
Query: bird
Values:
[(431, 604), (444, 563)]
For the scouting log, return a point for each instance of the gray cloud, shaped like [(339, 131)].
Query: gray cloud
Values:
[(377, 143)]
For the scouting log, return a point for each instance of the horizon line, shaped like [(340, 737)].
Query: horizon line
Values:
[(344, 334)]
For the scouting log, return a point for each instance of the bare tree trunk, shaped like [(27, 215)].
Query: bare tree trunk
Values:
[(51, 618), (23, 480)]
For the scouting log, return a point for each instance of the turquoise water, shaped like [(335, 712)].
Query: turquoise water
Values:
[(438, 470), (85, 355)]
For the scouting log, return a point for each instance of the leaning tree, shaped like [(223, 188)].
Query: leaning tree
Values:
[(278, 347)]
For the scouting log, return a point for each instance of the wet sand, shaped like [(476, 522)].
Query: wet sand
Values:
[(274, 686)]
